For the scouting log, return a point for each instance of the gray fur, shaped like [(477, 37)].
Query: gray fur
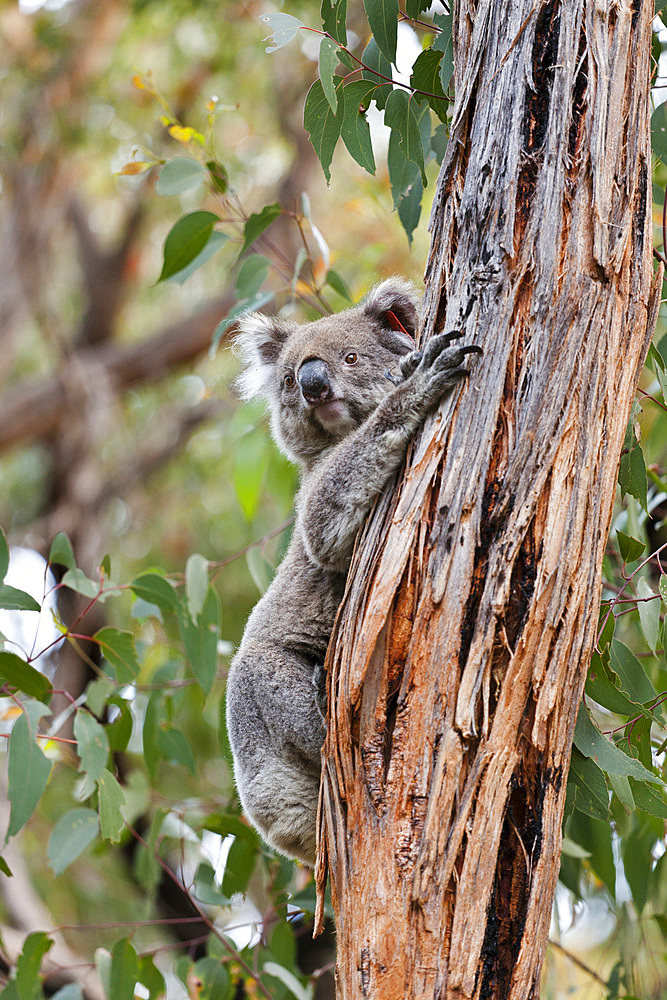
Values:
[(348, 448)]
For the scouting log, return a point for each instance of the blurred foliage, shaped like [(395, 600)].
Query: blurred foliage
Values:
[(136, 843)]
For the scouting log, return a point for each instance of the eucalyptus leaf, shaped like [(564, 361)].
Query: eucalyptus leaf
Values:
[(19, 675), (283, 28), (185, 240), (592, 744), (196, 583), (4, 555), (118, 649), (322, 124), (383, 20), (71, 835), (110, 800), (179, 175), (29, 770), (334, 16), (92, 744), (257, 223), (328, 61)]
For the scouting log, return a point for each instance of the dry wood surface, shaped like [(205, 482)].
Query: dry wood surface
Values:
[(457, 665)]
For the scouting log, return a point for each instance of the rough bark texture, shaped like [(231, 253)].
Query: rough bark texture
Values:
[(458, 661)]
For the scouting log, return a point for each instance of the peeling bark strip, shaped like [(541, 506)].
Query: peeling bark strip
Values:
[(458, 661)]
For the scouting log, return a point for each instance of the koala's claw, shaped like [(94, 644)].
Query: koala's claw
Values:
[(410, 363)]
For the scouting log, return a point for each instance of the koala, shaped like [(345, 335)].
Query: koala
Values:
[(345, 394)]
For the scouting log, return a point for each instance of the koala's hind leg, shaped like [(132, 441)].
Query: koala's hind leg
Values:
[(281, 800), (276, 731)]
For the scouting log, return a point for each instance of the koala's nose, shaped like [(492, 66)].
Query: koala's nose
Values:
[(313, 378)]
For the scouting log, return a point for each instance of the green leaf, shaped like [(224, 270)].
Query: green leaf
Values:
[(29, 769), (378, 71), (152, 716), (206, 891), (322, 125), (631, 548), (621, 787), (401, 116), (443, 43), (196, 583), (632, 474), (261, 570), (591, 743), (21, 676), (70, 991), (592, 794), (201, 640), (637, 852), (257, 223), (288, 979), (185, 240), (252, 274), (355, 130), (406, 186), (92, 745), (124, 971), (334, 17), (179, 175), (240, 863), (426, 77), (77, 580), (648, 799), (662, 587), (240, 309), (659, 132), (328, 62), (216, 241), (118, 650), (5, 869), (152, 978), (4, 555), (334, 280), (214, 978), (61, 553), (35, 947), (120, 730), (175, 748), (631, 674), (98, 692), (218, 176), (71, 835), (16, 600), (413, 8), (110, 800), (383, 20), (602, 687), (250, 464), (227, 824), (283, 28), (156, 590), (649, 613)]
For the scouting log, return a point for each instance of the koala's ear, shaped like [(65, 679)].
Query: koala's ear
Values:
[(394, 304), (258, 343)]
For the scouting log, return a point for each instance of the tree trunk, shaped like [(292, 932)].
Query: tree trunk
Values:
[(457, 664)]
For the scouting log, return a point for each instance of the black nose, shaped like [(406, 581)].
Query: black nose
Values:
[(313, 378)]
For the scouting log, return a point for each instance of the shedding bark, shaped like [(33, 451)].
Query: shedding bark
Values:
[(459, 656)]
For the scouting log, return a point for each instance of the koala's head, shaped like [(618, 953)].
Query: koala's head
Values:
[(323, 379)]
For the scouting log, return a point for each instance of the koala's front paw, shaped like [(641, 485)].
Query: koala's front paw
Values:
[(441, 364)]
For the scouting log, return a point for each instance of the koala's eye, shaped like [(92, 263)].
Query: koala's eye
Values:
[(288, 381), (351, 358)]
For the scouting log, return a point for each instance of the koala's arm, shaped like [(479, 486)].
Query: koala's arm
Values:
[(339, 494)]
